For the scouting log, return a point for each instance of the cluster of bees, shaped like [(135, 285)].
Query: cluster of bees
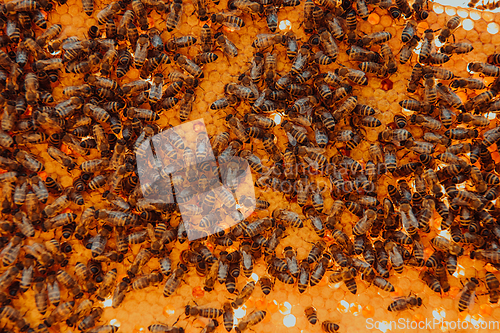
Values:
[(107, 123), (488, 5)]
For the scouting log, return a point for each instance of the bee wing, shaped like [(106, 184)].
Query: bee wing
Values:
[(413, 220), (316, 150), (472, 300), (236, 12), (6, 249), (460, 293), (151, 232), (231, 25), (291, 139)]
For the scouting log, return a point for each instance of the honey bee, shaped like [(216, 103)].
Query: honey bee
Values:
[(228, 19), (288, 216), (202, 312), (175, 43), (237, 128), (250, 320), (467, 83), (263, 41), (389, 59), (485, 69), (120, 292), (444, 244), (108, 281), (205, 58), (311, 315), (328, 43), (107, 12), (405, 303), (246, 6), (329, 326), (493, 286), (451, 26), (186, 104), (365, 223), (228, 316), (14, 316), (89, 320), (161, 328), (174, 15), (301, 60), (174, 280), (12, 250), (41, 298), (188, 65), (431, 281), (395, 256), (225, 45), (456, 48), (206, 40), (467, 294), (374, 38), (407, 50)]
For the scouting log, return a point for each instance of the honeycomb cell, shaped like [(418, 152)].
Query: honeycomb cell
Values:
[(450, 10), (485, 39), (62, 9), (468, 24), (472, 36), (385, 21), (74, 11), (460, 33), (495, 39), (438, 9), (192, 21)]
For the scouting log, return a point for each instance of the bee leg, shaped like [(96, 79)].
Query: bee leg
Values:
[(176, 320), (227, 58)]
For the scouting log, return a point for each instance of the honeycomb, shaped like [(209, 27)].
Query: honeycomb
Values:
[(284, 305)]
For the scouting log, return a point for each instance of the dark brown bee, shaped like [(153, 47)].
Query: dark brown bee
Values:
[(174, 15), (228, 316), (485, 69), (467, 294), (457, 48), (244, 295), (174, 280), (452, 25), (329, 327), (263, 41), (250, 320), (493, 286), (225, 45), (407, 50), (230, 20), (202, 312), (265, 284), (405, 303), (311, 314), (246, 6), (175, 43), (431, 281)]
